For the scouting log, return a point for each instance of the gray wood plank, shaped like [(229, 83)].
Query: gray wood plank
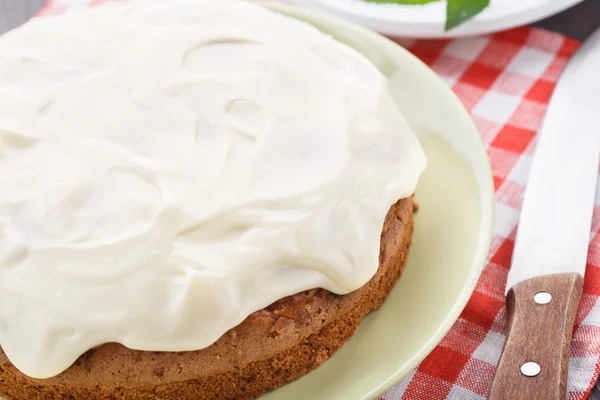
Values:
[(14, 12)]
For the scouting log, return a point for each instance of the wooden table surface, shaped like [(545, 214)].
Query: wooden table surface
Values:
[(577, 22)]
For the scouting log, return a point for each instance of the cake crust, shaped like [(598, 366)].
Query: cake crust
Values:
[(270, 348)]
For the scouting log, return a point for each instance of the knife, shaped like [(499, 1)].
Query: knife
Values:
[(545, 280)]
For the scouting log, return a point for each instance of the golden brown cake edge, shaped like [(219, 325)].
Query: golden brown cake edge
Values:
[(302, 331)]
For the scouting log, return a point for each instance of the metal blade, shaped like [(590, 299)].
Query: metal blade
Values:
[(554, 229)]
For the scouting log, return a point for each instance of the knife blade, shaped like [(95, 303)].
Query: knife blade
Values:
[(545, 280)]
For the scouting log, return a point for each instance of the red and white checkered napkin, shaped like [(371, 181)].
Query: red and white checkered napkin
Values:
[(505, 81)]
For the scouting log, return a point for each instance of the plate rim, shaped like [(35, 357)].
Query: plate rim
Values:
[(485, 23), (485, 238)]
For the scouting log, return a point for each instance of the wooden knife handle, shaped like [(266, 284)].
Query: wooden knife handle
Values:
[(538, 333)]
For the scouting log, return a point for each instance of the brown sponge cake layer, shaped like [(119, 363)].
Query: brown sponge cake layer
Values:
[(270, 348)]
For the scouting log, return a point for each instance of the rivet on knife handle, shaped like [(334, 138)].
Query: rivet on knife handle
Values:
[(541, 314)]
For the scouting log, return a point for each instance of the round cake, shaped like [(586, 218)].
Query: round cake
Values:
[(198, 200)]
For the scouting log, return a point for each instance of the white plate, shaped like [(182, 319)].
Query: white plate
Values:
[(451, 239), (427, 21)]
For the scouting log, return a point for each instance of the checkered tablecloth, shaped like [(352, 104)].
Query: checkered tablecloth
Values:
[(505, 81)]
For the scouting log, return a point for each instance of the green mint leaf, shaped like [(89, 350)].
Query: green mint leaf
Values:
[(458, 11), (412, 2)]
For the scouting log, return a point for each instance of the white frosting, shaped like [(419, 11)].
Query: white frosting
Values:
[(169, 167)]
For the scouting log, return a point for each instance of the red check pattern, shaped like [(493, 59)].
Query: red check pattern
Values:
[(505, 81)]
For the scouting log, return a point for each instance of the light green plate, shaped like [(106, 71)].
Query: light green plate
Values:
[(451, 239)]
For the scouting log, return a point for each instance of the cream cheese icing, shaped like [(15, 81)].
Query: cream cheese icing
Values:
[(169, 167)]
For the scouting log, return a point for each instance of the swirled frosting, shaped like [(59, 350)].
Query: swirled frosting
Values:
[(169, 167)]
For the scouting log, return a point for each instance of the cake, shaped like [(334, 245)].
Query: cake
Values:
[(198, 200)]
